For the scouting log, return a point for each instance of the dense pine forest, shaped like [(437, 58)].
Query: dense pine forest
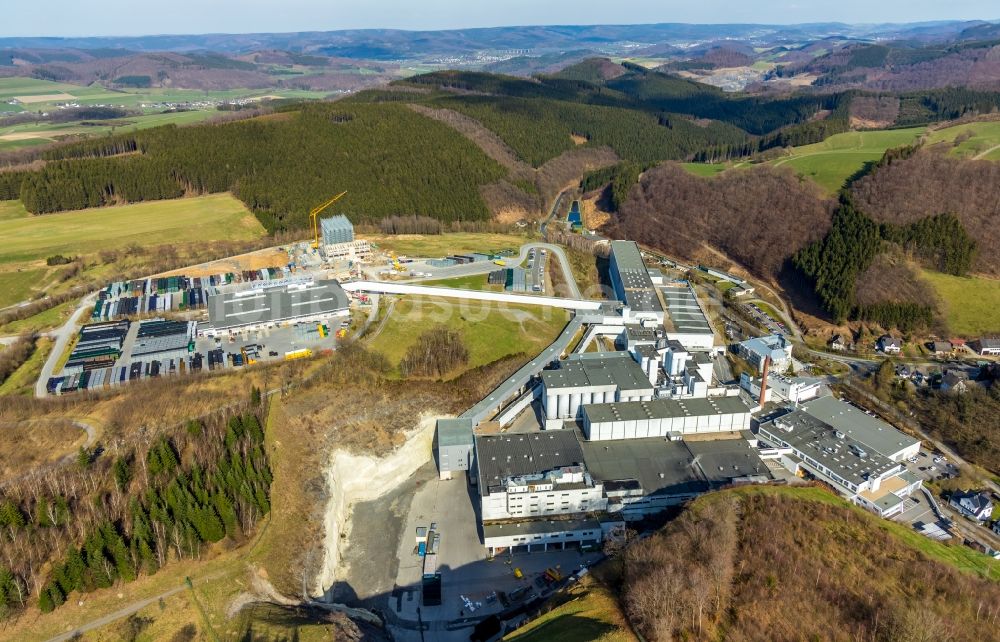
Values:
[(129, 511), (389, 158)]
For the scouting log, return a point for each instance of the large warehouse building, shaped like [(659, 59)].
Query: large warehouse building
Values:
[(858, 457), (665, 418), (592, 377), (633, 285), (544, 489), (311, 301), (534, 474), (685, 321)]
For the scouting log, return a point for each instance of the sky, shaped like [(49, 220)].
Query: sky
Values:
[(145, 17)]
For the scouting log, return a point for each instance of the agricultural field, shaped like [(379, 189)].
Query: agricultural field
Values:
[(969, 304), (831, 162), (971, 140), (28, 134), (17, 285), (43, 94), (40, 95), (490, 331), (439, 245), (202, 218)]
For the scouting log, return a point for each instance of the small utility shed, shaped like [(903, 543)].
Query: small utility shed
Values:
[(454, 446)]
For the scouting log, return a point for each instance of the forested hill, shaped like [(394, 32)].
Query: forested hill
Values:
[(798, 564), (389, 158), (393, 159)]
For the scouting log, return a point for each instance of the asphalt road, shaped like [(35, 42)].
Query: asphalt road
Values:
[(552, 212), (485, 267), (63, 335)]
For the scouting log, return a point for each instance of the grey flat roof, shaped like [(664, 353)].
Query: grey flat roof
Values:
[(686, 315), (635, 332), (663, 409), (540, 527), (647, 350), (720, 460), (275, 304), (766, 345), (639, 292), (672, 467), (499, 457), (870, 431), (155, 345), (628, 256), (597, 369), (847, 457), (455, 432)]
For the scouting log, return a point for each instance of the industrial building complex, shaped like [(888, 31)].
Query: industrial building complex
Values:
[(860, 456), (621, 435)]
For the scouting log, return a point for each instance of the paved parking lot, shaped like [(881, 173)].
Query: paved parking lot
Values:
[(462, 562), (279, 340)]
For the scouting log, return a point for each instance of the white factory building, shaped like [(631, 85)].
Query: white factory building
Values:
[(781, 388), (270, 306), (686, 373), (543, 534), (591, 377), (860, 456), (545, 489), (665, 418), (537, 474), (685, 320), (756, 351)]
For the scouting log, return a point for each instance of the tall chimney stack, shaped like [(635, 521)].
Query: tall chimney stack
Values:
[(763, 379)]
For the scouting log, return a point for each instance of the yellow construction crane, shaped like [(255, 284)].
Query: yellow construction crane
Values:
[(314, 217)]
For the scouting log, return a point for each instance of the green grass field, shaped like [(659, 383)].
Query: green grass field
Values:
[(148, 101), (438, 245), (490, 332), (202, 218), (706, 170), (831, 162), (45, 320), (30, 134), (12, 209), (16, 286), (96, 94), (969, 304), (472, 282), (982, 139)]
